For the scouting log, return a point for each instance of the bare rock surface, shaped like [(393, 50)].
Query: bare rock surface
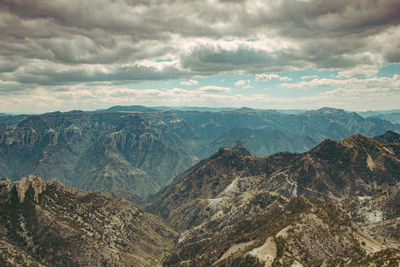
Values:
[(52, 225)]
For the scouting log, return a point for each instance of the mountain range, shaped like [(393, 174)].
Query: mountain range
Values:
[(337, 204), (140, 149)]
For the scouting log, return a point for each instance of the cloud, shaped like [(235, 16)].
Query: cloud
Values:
[(190, 82), (240, 83), (352, 83), (270, 77), (48, 44), (245, 84), (215, 89), (308, 77), (350, 94), (360, 71), (266, 36)]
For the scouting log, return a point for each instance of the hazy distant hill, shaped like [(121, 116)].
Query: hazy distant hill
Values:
[(141, 151), (390, 115), (373, 113), (132, 108)]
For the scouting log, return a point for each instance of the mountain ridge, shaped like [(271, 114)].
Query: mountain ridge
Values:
[(52, 224), (278, 204), (334, 205), (142, 151)]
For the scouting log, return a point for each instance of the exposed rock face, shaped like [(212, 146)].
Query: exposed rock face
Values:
[(37, 185), (225, 173), (52, 225), (336, 204), (142, 150), (104, 150)]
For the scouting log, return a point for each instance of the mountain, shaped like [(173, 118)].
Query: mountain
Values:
[(331, 171), (392, 117), (48, 224), (191, 192), (132, 108), (11, 120), (335, 204), (388, 137), (140, 150), (94, 151)]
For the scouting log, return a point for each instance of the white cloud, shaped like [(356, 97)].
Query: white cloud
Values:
[(308, 77), (270, 77), (358, 72), (266, 77), (190, 82), (215, 89), (70, 43), (240, 83), (374, 82), (245, 84), (285, 78)]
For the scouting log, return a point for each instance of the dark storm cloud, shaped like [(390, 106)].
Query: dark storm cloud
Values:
[(62, 42), (210, 60), (52, 76)]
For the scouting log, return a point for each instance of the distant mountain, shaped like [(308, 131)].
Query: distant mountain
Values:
[(132, 108), (94, 151), (392, 117), (141, 151), (201, 109), (48, 224), (139, 108), (12, 120), (373, 113), (388, 138), (337, 203)]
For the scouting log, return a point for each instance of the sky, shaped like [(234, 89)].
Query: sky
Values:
[(281, 54)]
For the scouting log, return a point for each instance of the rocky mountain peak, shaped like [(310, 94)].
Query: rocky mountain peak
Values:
[(240, 149), (360, 141), (388, 137), (236, 150)]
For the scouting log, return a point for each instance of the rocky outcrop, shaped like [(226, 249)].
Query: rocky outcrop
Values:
[(34, 184), (53, 225)]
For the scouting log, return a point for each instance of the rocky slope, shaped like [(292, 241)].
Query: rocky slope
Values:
[(388, 138), (48, 224), (141, 149), (93, 151), (336, 204)]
